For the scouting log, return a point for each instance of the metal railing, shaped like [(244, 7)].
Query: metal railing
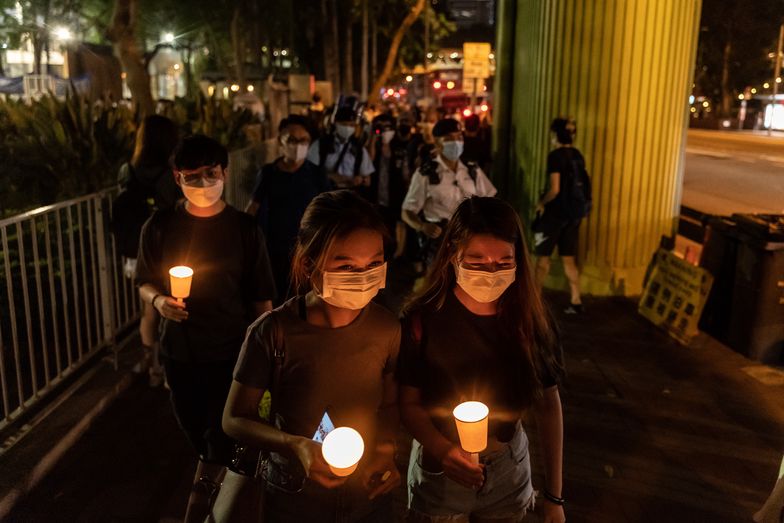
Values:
[(63, 296)]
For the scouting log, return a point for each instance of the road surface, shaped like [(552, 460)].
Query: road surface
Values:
[(731, 171)]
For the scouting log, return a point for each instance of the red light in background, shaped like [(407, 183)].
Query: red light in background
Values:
[(403, 91), (466, 112), (436, 85)]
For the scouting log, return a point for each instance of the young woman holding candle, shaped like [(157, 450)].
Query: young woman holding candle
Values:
[(478, 331), (339, 352), (230, 286)]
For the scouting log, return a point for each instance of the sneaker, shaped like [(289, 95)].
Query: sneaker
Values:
[(574, 308)]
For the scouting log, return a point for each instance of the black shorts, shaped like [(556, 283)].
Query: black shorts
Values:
[(556, 231), (198, 395)]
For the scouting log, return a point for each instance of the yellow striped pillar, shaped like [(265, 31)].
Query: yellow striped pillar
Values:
[(623, 70)]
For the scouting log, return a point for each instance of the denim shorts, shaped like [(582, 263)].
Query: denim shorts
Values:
[(506, 494)]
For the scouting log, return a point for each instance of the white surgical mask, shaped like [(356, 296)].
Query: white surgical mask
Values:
[(483, 286), (295, 152), (204, 196), (387, 136), (452, 150), (352, 290), (344, 131)]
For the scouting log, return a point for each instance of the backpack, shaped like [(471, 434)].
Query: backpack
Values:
[(576, 199), (130, 210)]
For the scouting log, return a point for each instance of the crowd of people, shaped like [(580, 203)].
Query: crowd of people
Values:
[(283, 326)]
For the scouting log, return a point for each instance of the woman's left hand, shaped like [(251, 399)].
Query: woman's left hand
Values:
[(380, 475), (553, 513)]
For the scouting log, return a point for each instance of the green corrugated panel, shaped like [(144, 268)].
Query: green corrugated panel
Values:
[(624, 70)]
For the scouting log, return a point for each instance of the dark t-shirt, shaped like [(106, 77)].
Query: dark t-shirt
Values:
[(465, 357), (342, 368), (476, 149), (282, 199), (231, 272), (563, 161)]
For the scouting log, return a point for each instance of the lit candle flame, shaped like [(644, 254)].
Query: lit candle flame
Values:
[(342, 450), (180, 280)]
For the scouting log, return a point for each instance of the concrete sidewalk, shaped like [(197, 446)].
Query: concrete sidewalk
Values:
[(655, 432)]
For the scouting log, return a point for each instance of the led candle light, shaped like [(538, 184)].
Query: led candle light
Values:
[(180, 280), (471, 420), (342, 450)]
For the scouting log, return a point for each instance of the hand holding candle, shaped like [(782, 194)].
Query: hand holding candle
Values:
[(342, 450), (180, 278), (471, 420)]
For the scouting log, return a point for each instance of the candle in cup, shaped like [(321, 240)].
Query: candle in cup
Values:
[(342, 450), (471, 420), (180, 278)]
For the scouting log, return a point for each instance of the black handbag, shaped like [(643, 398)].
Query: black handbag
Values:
[(240, 497)]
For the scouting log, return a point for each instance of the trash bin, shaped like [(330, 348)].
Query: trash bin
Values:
[(719, 252), (756, 327)]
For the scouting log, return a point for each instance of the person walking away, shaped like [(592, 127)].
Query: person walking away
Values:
[(439, 185), (231, 285), (341, 156), (146, 184), (390, 180), (476, 144), (478, 331), (330, 351), (561, 209), (284, 188)]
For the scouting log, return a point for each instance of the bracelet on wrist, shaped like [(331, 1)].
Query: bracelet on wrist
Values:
[(152, 302), (553, 499)]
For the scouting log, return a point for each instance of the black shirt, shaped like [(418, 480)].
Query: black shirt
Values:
[(231, 272), (282, 198), (462, 357), (565, 161), (476, 149)]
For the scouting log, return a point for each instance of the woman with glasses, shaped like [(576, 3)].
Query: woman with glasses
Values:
[(284, 188), (231, 286), (328, 351), (478, 331)]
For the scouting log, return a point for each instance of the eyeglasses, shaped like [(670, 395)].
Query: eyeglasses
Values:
[(209, 173), (290, 140)]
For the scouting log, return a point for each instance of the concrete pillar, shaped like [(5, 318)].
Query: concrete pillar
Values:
[(623, 70)]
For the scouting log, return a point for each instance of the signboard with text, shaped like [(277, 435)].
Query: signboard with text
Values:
[(476, 60), (675, 295)]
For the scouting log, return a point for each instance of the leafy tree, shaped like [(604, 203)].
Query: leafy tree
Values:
[(735, 39)]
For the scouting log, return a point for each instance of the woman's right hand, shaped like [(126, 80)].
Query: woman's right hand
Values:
[(309, 454), (458, 466), (170, 308)]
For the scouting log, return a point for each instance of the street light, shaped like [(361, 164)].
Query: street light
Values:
[(409, 78), (766, 85), (168, 38)]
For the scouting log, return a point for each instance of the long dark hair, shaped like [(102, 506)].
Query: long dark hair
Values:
[(156, 140), (330, 216), (520, 308)]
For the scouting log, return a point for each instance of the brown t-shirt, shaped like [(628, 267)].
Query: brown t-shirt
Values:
[(341, 369)]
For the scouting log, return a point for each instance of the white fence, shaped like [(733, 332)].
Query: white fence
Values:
[(63, 296)]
